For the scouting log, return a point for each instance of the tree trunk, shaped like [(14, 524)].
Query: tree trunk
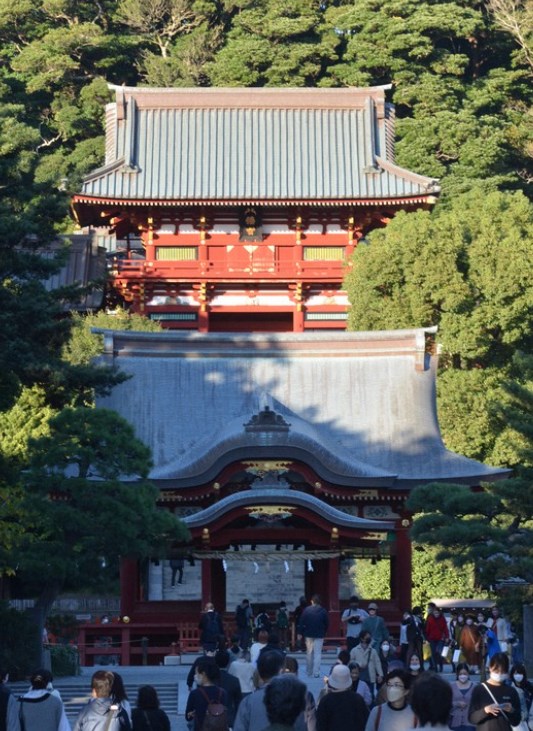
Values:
[(39, 613)]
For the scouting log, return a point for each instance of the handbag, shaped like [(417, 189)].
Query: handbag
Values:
[(522, 726), (456, 656)]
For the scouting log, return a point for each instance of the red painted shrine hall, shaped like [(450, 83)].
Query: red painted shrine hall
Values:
[(238, 209), (286, 445)]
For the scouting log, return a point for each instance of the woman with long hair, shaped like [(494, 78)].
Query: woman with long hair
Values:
[(148, 716)]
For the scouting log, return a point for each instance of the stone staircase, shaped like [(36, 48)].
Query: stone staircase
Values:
[(75, 693)]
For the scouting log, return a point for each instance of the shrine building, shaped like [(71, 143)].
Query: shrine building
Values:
[(239, 209), (287, 445)]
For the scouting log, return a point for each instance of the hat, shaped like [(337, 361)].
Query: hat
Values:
[(340, 678), (372, 605)]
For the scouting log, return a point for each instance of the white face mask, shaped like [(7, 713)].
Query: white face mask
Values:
[(469, 621), (518, 677), (197, 679), (414, 666), (386, 648), (395, 694), (498, 677), (463, 678)]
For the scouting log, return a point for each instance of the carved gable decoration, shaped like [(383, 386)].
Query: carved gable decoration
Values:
[(267, 421)]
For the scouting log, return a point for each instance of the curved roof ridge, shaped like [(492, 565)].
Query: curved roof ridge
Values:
[(266, 496), (215, 446)]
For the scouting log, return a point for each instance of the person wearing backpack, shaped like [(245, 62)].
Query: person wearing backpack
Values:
[(211, 628), (243, 620), (207, 704)]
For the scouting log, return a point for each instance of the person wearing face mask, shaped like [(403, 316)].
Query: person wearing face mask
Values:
[(519, 678), (395, 714), (353, 618), (495, 705), (462, 690), (386, 654), (516, 680), (437, 635), (415, 666), (470, 644), (368, 660), (207, 678)]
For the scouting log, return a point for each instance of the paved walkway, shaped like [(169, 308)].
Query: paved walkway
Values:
[(75, 690)]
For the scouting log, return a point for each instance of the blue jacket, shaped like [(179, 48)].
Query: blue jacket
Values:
[(314, 621)]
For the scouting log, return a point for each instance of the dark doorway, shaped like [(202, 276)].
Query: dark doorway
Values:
[(253, 322)]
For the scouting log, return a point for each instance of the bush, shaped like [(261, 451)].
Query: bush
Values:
[(65, 660)]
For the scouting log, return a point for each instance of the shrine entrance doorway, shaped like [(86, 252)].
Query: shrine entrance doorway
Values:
[(251, 322)]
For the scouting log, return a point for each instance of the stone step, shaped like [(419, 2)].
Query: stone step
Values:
[(76, 694)]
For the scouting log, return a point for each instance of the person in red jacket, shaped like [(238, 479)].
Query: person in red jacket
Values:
[(437, 635)]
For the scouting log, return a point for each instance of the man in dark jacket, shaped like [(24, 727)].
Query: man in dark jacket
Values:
[(101, 713), (314, 624), (230, 684), (211, 628)]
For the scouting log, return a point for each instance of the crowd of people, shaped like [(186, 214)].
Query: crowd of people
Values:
[(377, 683), (382, 672)]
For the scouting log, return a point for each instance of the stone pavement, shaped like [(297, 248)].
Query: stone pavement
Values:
[(170, 682)]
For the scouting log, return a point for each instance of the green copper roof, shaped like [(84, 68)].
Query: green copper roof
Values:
[(251, 145)]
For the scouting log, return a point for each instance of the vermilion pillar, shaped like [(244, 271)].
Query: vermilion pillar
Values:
[(333, 597), (129, 585), (401, 567)]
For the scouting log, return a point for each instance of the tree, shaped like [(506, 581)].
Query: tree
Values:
[(83, 517), (516, 18), (462, 105), (431, 578), (274, 43), (466, 267), (84, 346), (491, 528)]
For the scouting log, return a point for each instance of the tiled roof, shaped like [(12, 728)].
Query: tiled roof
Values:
[(266, 496), (85, 263), (259, 145), (361, 405)]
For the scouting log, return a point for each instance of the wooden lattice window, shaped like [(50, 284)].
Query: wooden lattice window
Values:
[(323, 253), (176, 253)]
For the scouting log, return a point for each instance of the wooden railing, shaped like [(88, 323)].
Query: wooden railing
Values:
[(333, 271)]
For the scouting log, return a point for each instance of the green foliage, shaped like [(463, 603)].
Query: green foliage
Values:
[(467, 268), (431, 578), (371, 581), (65, 660), (84, 345), (82, 516), (491, 529), (17, 641), (273, 43)]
